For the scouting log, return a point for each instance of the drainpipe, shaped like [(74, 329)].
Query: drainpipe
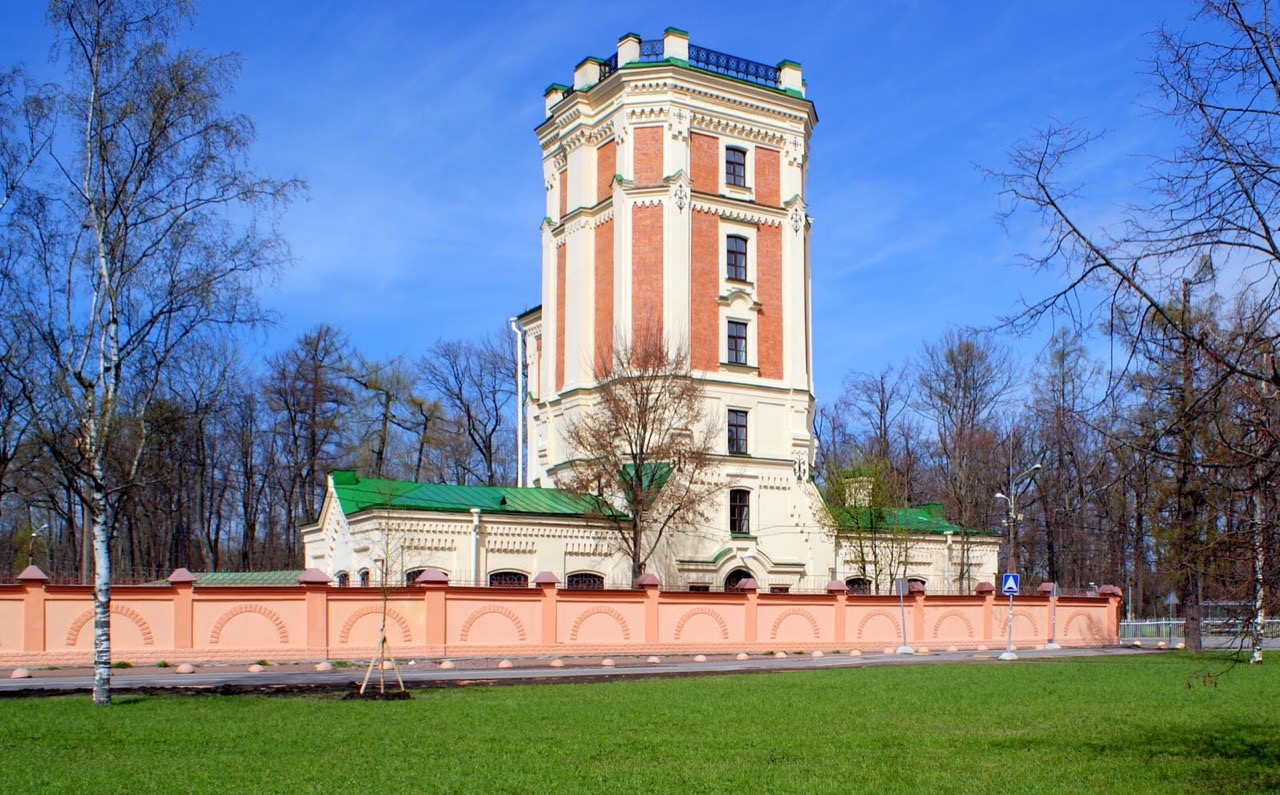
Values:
[(475, 545), (515, 329)]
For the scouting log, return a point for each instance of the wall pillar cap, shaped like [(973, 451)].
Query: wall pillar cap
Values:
[(836, 586), (32, 574), (749, 584), (181, 576), (545, 578), (1110, 590), (984, 588), (648, 581), (915, 587), (313, 577), (1047, 588), (432, 577)]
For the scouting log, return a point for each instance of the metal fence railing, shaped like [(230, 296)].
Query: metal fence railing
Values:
[(1164, 628)]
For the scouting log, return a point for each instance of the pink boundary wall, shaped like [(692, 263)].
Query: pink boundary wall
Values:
[(43, 624)]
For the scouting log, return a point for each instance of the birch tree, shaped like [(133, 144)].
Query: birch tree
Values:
[(141, 236)]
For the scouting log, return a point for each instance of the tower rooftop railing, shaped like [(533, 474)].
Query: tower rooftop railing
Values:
[(674, 46)]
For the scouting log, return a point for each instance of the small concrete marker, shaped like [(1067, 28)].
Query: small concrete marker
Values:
[(742, 655), (781, 655), (557, 663), (606, 663), (1180, 645), (700, 658), (324, 667), (447, 665), (855, 653), (387, 665), (1161, 645), (256, 669), (1137, 644), (817, 654), (506, 664), (185, 668), (654, 660), (20, 673)]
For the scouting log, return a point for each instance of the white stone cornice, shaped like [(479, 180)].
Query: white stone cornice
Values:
[(648, 201), (560, 159), (735, 214), (651, 113), (749, 132)]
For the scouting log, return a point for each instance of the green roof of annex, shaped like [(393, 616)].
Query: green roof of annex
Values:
[(922, 519), (356, 494)]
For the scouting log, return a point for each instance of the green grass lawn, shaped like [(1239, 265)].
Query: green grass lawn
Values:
[(1105, 725)]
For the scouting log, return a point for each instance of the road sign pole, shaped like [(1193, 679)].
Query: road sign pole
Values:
[(1009, 585), (902, 606)]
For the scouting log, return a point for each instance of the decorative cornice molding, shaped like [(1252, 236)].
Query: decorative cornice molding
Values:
[(734, 214), (749, 132)]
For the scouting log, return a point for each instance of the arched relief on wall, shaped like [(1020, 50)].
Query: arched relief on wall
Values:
[(1091, 626), (795, 611), (73, 632), (703, 611), (406, 636), (1004, 624), (600, 610), (968, 624), (886, 614), (282, 631), (506, 612)]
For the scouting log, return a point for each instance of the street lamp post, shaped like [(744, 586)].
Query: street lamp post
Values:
[(1011, 501)]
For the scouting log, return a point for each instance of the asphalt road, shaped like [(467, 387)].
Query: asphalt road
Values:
[(482, 672)]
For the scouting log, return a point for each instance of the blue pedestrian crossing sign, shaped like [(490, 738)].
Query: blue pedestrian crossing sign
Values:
[(1009, 584)]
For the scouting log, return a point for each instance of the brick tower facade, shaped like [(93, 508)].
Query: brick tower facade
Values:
[(675, 182)]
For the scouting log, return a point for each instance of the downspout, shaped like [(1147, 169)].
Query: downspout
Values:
[(475, 545), (515, 329)]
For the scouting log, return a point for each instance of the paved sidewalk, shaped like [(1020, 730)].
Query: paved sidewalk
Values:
[(428, 674)]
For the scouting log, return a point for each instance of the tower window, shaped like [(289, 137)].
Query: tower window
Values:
[(737, 347), (739, 512), (737, 431), (735, 167), (735, 254)]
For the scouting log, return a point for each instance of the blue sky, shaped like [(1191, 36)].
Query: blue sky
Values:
[(413, 123)]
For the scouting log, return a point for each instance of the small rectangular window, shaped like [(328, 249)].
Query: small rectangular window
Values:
[(735, 167), (735, 255), (739, 511), (737, 431), (737, 343)]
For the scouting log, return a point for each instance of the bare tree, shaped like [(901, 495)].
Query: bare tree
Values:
[(474, 383), (138, 238), (645, 448)]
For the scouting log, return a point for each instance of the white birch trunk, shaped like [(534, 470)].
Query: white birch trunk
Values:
[(101, 598), (1259, 587)]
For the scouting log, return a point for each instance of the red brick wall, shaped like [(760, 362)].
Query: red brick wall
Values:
[(564, 193), (646, 271), (768, 180), (561, 252), (604, 298), (648, 160), (704, 289), (769, 291), (606, 167), (704, 162)]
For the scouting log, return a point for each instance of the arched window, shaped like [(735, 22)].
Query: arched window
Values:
[(858, 585), (411, 576), (735, 257), (364, 578), (739, 512), (344, 579), (584, 581), (735, 578), (508, 579)]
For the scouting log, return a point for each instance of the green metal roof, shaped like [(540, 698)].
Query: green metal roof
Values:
[(287, 577), (357, 494), (925, 518)]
